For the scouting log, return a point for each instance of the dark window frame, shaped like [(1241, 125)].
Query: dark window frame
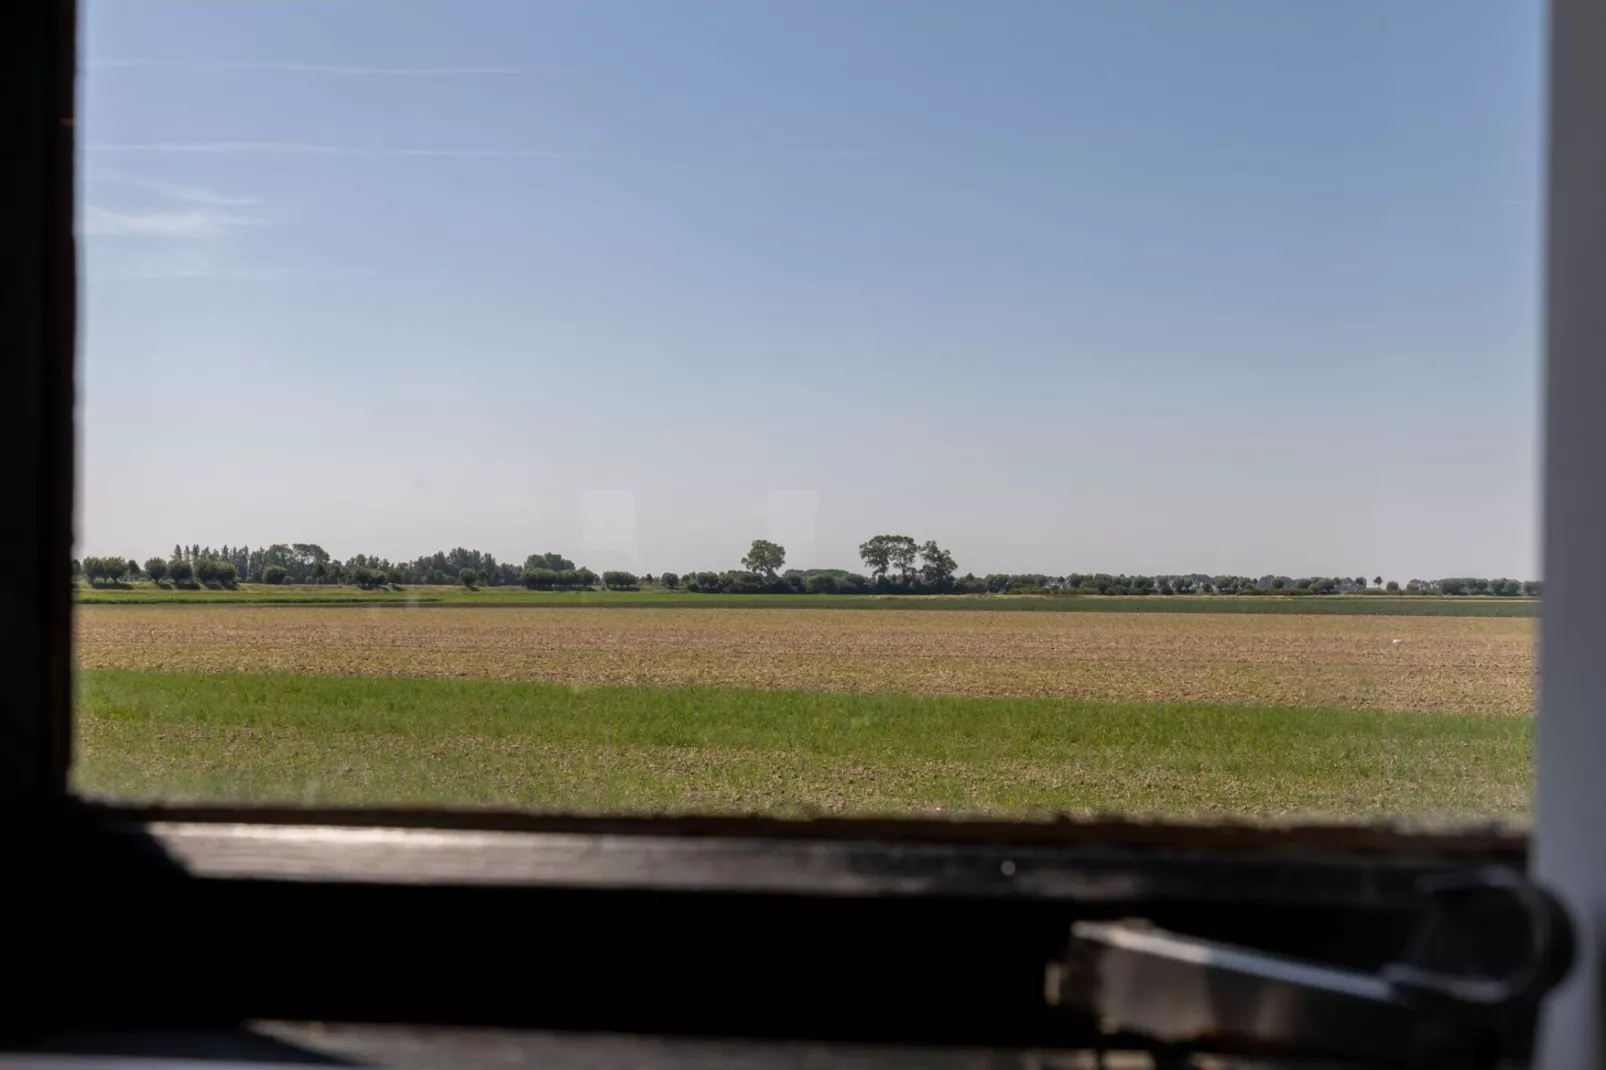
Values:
[(896, 931)]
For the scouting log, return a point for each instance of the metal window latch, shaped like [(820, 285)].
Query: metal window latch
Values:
[(1465, 993)]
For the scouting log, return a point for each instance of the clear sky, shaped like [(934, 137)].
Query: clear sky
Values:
[(1093, 285)]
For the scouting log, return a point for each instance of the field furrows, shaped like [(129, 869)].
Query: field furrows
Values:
[(1425, 664)]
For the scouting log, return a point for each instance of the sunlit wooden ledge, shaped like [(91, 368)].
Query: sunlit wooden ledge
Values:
[(1072, 861)]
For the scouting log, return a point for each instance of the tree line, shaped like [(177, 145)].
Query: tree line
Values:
[(894, 564), (309, 563), (1199, 583)]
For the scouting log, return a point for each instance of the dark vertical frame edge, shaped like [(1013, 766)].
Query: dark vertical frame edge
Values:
[(38, 298)]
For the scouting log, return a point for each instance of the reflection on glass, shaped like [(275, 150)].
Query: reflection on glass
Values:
[(812, 409)]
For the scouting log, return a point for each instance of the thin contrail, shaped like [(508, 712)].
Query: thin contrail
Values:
[(193, 223), (309, 68), (307, 148), (185, 194), (302, 148)]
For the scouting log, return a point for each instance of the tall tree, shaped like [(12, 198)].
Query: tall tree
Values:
[(310, 554), (905, 551), (937, 565), (766, 557), (876, 554), (883, 552)]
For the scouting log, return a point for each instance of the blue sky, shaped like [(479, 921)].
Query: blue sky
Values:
[(1231, 286)]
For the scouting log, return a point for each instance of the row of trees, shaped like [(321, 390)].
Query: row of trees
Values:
[(179, 570), (304, 562), (897, 564), (542, 578), (1468, 585), (900, 564), (926, 562), (1200, 583), (106, 569)]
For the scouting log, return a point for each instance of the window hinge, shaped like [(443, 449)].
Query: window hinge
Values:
[(1489, 945)]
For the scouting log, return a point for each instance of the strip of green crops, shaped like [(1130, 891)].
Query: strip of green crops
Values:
[(215, 598), (357, 740), (1368, 605)]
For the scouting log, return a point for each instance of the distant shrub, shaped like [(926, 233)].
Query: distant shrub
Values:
[(156, 569), (820, 584), (555, 562), (274, 574), (618, 580), (742, 583), (368, 578), (110, 568), (584, 577), (669, 580), (1393, 585), (219, 572), (468, 577), (180, 571), (539, 579)]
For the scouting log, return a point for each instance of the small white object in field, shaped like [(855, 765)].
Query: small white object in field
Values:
[(1397, 642)]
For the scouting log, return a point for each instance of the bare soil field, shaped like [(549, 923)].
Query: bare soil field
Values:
[(1419, 664)]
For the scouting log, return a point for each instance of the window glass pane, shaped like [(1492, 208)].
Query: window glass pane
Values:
[(942, 408)]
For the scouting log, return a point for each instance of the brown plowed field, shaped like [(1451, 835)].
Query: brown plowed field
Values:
[(1425, 664)]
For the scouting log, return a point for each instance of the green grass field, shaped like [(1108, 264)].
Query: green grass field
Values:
[(343, 740), (1373, 605)]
